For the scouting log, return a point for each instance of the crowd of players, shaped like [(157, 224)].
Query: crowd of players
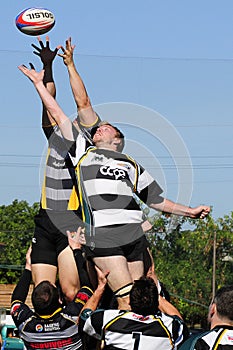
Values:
[(94, 279)]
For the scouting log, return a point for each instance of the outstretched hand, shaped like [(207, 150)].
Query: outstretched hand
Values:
[(76, 238), (101, 277), (67, 52), (199, 212), (44, 52), (34, 76)]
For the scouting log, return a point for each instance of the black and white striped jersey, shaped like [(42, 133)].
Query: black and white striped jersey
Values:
[(219, 338), (56, 331), (59, 189), (108, 182), (126, 330)]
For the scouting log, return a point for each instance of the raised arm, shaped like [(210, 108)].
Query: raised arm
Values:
[(50, 103), (86, 113), (47, 56), (21, 289), (169, 206)]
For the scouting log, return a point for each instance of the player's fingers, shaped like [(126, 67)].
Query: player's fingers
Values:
[(41, 43), (36, 53), (36, 47), (68, 43), (47, 42)]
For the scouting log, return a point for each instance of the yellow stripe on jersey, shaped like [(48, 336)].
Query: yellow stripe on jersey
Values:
[(73, 201), (135, 184), (115, 319), (43, 192), (166, 330), (219, 339), (77, 170), (90, 125)]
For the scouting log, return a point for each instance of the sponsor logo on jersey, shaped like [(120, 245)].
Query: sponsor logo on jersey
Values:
[(14, 309), (124, 165), (140, 317), (50, 327), (58, 165), (39, 327), (97, 159), (113, 172)]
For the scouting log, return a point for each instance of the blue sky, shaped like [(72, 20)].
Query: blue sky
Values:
[(163, 70)]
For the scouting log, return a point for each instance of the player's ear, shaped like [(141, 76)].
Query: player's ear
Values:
[(212, 310), (116, 141)]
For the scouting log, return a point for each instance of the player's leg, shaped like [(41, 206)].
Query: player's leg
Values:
[(136, 269), (119, 278), (43, 272), (68, 274), (135, 257), (43, 255)]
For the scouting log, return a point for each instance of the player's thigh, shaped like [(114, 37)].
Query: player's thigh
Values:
[(68, 273), (119, 274), (136, 269), (43, 272)]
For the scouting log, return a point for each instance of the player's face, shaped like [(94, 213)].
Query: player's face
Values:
[(104, 133)]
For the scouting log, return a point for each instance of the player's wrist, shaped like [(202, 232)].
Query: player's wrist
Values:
[(48, 74), (189, 212)]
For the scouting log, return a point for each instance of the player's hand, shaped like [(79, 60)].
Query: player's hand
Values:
[(199, 212), (34, 76), (67, 53), (44, 52), (76, 238), (102, 277)]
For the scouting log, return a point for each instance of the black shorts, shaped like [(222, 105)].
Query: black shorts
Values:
[(132, 251), (50, 237)]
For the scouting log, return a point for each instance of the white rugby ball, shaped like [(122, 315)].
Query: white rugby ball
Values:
[(35, 21)]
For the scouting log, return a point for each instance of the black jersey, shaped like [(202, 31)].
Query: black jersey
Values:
[(56, 331)]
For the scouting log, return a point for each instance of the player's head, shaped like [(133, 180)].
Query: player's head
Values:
[(45, 298), (223, 303), (106, 132), (144, 299)]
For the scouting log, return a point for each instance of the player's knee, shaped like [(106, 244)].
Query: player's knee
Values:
[(70, 293), (124, 291)]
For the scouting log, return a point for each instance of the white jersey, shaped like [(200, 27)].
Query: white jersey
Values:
[(129, 331)]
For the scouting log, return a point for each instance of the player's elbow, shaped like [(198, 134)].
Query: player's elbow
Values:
[(84, 103)]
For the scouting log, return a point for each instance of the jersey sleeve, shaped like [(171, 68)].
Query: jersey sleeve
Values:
[(93, 322), (48, 130), (20, 312), (74, 308), (147, 189), (96, 321), (89, 127)]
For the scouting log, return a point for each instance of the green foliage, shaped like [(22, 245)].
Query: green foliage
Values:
[(182, 249), (184, 260), (16, 231)]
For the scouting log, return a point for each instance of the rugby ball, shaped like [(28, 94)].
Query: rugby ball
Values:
[(35, 21)]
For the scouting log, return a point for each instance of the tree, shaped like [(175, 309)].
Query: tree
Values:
[(16, 231), (184, 260)]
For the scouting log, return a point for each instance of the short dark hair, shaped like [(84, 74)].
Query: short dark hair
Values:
[(144, 299), (45, 298), (119, 134), (224, 301)]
